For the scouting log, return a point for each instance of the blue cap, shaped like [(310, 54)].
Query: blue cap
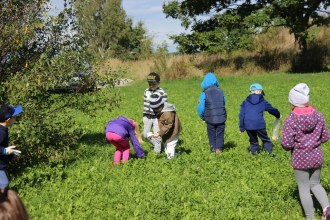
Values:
[(17, 110), (8, 111), (255, 86)]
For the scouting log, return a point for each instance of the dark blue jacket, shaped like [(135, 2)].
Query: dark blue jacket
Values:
[(251, 116), (4, 159), (211, 107)]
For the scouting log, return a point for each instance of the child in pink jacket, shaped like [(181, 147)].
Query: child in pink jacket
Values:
[(303, 132)]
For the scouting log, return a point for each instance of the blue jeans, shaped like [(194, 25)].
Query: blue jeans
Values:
[(4, 181), (254, 144), (216, 135)]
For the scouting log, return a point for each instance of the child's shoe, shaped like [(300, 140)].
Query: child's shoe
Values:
[(326, 213), (217, 151)]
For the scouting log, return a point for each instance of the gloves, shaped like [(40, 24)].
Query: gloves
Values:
[(10, 150)]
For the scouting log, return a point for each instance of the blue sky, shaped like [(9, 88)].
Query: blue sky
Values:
[(150, 13)]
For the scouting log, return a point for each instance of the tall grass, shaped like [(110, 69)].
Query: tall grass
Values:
[(274, 51), (196, 184)]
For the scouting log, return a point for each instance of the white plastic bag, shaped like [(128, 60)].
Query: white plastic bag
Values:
[(276, 128), (149, 134)]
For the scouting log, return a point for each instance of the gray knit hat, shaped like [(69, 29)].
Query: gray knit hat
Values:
[(299, 95), (156, 100)]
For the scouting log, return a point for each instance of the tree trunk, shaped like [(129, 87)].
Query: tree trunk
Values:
[(302, 44)]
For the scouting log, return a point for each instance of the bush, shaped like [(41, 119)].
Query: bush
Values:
[(48, 130)]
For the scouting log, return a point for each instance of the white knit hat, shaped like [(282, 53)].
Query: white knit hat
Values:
[(299, 95)]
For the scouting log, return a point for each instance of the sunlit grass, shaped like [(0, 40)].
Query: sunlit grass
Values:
[(195, 185)]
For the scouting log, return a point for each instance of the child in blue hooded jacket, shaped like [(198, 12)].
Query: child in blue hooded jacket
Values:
[(251, 118), (211, 109)]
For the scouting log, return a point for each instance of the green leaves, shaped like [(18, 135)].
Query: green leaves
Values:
[(196, 184), (244, 17), (109, 32)]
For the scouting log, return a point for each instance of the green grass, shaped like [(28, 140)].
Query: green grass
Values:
[(195, 185)]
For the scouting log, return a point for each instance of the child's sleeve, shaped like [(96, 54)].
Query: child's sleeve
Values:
[(201, 105), (167, 122), (273, 111), (325, 132), (288, 135), (241, 118), (164, 96), (2, 150), (136, 145)]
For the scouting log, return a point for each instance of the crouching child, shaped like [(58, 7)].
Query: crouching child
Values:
[(169, 123)]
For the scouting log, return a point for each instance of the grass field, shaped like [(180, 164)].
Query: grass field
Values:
[(196, 184)]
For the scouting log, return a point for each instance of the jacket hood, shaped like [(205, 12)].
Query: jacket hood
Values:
[(209, 80), (306, 122), (168, 107), (123, 119), (255, 98)]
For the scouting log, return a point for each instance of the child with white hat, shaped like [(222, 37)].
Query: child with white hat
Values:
[(303, 132)]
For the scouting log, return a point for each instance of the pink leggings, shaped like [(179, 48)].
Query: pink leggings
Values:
[(122, 147)]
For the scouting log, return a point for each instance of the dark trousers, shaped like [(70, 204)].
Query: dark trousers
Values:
[(216, 135), (254, 145)]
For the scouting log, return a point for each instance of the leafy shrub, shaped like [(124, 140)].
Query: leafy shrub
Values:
[(47, 131)]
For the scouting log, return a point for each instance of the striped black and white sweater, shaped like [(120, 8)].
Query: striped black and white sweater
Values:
[(147, 111)]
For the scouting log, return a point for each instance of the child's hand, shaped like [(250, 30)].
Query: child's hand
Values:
[(156, 135), (10, 150), (241, 132)]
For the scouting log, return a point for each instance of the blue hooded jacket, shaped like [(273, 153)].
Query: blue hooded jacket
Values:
[(251, 116), (211, 106)]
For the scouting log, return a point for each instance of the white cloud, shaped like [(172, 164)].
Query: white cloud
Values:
[(150, 12)]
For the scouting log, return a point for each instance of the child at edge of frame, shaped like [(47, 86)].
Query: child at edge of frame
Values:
[(11, 206), (118, 132), (169, 124), (251, 119), (303, 132), (211, 109), (150, 121), (8, 116)]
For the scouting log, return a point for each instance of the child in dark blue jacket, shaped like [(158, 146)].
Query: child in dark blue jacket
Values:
[(251, 118), (211, 109), (8, 116)]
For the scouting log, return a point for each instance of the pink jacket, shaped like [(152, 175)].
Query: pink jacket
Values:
[(303, 132)]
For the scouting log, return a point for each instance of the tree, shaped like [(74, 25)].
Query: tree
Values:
[(109, 31), (38, 52), (18, 21), (229, 24)]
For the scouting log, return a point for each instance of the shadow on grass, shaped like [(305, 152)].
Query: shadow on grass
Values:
[(94, 139), (99, 140), (180, 148), (229, 145)]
